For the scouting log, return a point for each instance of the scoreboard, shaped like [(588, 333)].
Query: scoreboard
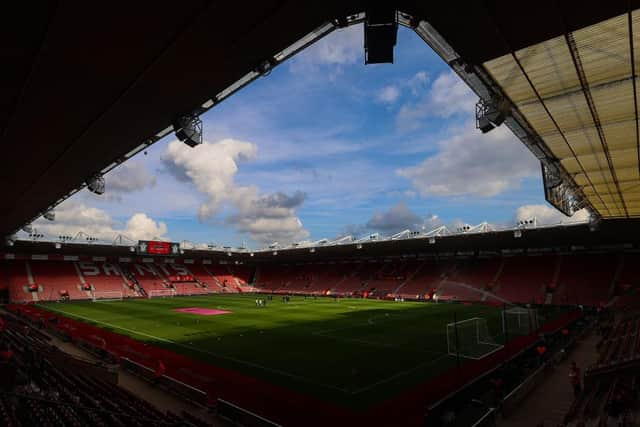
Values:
[(154, 247)]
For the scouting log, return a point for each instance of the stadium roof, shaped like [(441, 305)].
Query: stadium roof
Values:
[(81, 88), (578, 92), (611, 236)]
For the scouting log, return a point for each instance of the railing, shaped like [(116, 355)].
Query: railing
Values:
[(173, 385), (243, 417)]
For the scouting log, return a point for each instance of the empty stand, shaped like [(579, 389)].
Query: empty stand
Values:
[(585, 279), (19, 278), (524, 279), (57, 277), (426, 277)]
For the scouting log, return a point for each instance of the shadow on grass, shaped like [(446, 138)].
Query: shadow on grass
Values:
[(352, 352)]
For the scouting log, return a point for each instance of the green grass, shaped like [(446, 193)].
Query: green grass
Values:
[(353, 352)]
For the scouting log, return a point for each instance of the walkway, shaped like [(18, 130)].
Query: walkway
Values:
[(550, 401)]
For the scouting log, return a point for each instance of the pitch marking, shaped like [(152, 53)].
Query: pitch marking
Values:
[(240, 361)]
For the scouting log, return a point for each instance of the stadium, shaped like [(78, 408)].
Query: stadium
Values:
[(472, 326)]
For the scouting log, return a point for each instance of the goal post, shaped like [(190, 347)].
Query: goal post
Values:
[(470, 339), (107, 296), (519, 320), (161, 293)]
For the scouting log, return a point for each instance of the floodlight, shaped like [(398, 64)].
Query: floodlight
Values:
[(517, 234), (312, 250), (359, 246), (275, 253), (432, 240), (188, 129), (491, 114), (96, 184), (58, 245)]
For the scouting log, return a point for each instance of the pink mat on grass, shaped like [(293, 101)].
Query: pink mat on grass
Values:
[(202, 311)]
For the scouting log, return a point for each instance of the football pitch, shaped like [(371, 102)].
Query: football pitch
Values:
[(352, 352)]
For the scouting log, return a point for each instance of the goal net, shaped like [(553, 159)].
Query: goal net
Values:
[(161, 293), (470, 339), (107, 296), (519, 321)]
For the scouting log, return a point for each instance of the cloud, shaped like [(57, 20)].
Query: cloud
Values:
[(128, 177), (212, 168), (73, 217), (342, 47), (141, 227), (472, 163), (447, 96), (396, 219), (388, 94), (546, 215), (418, 83)]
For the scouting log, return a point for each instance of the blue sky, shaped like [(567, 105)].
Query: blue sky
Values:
[(323, 146)]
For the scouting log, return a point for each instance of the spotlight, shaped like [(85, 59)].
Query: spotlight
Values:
[(359, 246), (58, 245), (432, 240), (96, 184), (517, 234), (312, 250), (188, 129), (49, 215), (491, 114), (9, 241), (275, 253)]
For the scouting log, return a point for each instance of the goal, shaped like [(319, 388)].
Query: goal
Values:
[(471, 339), (519, 321), (161, 293), (107, 296)]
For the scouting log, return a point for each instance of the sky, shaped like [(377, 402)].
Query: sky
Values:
[(322, 147)]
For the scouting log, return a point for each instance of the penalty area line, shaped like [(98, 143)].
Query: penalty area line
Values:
[(399, 374), (233, 359)]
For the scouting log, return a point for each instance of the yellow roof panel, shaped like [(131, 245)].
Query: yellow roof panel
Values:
[(577, 93)]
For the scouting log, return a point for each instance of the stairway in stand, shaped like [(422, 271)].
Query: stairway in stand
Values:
[(550, 401)]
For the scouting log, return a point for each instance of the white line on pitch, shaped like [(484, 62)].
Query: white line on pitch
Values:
[(399, 374), (243, 362)]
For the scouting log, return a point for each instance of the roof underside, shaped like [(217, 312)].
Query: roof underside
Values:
[(80, 87), (578, 91)]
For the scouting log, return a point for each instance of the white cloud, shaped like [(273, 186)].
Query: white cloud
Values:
[(418, 83), (73, 217), (447, 96), (212, 168), (388, 94), (128, 177), (342, 47), (473, 163), (546, 215), (141, 227)]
